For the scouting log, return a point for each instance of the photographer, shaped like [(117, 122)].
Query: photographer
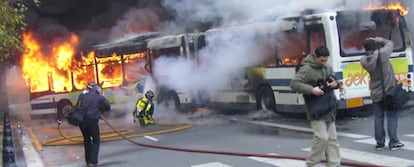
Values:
[(381, 48), (313, 79)]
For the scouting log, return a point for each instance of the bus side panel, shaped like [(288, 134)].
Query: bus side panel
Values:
[(287, 100), (46, 104), (356, 80)]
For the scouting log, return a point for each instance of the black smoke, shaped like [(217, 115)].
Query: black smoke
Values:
[(100, 21), (94, 21)]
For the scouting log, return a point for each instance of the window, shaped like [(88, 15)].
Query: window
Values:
[(355, 27), (135, 67)]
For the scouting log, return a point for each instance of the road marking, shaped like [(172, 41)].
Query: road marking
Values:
[(371, 158), (352, 135), (409, 135), (304, 129), (280, 162), (211, 164), (290, 127), (35, 140), (32, 157), (151, 138), (408, 145)]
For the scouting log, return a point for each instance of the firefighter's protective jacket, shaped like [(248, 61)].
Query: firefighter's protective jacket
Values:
[(145, 106)]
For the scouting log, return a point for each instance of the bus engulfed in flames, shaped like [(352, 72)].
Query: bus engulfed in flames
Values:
[(54, 67)]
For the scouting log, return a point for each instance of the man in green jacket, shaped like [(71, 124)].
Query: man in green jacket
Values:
[(325, 143)]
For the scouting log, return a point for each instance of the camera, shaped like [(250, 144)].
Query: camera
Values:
[(330, 78), (321, 84), (371, 44)]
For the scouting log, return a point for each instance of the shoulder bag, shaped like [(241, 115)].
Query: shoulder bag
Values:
[(76, 116), (395, 97), (319, 106)]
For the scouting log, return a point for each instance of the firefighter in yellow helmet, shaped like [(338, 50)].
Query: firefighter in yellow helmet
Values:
[(144, 109)]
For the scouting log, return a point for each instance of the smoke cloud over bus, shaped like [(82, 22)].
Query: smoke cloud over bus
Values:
[(232, 52)]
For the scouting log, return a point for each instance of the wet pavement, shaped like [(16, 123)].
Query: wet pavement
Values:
[(54, 149)]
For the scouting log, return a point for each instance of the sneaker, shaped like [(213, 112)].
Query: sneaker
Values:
[(396, 146), (379, 147), (92, 165)]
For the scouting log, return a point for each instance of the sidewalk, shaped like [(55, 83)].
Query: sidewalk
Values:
[(1, 140)]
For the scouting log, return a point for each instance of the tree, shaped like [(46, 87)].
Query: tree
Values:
[(12, 23)]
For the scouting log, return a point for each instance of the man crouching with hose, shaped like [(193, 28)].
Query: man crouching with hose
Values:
[(144, 109)]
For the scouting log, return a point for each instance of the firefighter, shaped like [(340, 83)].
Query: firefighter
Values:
[(144, 109)]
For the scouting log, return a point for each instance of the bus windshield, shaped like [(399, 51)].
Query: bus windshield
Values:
[(355, 27)]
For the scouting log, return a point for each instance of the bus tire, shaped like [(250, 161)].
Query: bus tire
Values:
[(265, 99), (63, 108), (169, 100)]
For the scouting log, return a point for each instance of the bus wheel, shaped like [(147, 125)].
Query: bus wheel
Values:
[(169, 101), (265, 99), (63, 108)]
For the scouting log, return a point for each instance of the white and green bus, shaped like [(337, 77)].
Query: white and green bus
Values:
[(280, 47)]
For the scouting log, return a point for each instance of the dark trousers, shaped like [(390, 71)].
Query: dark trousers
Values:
[(91, 139)]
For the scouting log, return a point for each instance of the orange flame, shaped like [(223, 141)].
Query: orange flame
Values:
[(48, 71), (54, 67), (394, 6)]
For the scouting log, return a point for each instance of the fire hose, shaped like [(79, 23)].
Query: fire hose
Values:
[(122, 134), (109, 135)]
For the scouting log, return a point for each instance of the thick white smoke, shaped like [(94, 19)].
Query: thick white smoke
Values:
[(232, 12), (232, 52)]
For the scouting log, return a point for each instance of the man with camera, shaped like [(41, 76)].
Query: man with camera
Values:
[(378, 65), (315, 79)]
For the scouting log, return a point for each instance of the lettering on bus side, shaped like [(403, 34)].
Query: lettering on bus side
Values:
[(357, 79)]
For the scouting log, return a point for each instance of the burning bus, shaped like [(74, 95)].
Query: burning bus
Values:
[(253, 76), (57, 76), (281, 46)]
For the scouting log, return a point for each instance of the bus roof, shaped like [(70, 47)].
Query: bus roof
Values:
[(127, 45), (279, 25), (165, 42)]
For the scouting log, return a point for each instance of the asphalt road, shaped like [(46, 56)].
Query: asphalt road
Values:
[(251, 133)]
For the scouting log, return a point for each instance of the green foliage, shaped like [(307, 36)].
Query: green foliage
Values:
[(12, 24)]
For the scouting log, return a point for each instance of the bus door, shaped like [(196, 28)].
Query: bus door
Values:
[(285, 58)]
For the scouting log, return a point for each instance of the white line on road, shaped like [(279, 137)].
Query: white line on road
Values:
[(304, 129), (409, 135), (371, 158), (151, 138), (211, 164), (280, 162), (408, 145)]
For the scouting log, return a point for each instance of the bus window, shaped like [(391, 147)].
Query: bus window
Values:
[(290, 47), (167, 52), (109, 71), (317, 37), (355, 27), (135, 67), (83, 76)]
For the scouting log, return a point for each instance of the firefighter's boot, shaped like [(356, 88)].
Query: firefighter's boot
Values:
[(150, 121), (134, 116), (142, 121)]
